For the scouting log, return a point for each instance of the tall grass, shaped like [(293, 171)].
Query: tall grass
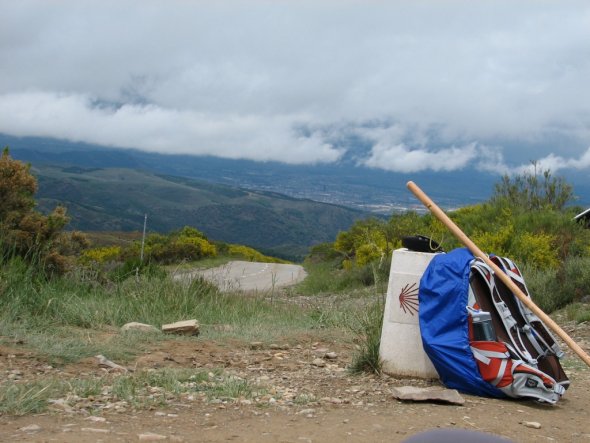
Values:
[(325, 277), (367, 328), (61, 316)]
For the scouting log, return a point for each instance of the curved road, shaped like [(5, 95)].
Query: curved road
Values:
[(250, 276)]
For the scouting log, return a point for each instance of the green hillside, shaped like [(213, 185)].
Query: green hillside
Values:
[(116, 199)]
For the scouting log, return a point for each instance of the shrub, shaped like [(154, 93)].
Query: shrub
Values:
[(537, 249), (101, 255), (134, 267), (27, 233), (552, 289)]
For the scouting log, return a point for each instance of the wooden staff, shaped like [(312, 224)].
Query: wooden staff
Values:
[(499, 272)]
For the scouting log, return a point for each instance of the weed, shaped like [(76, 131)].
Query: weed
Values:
[(367, 329), (578, 312), (29, 398), (140, 390)]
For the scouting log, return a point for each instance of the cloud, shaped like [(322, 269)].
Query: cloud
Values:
[(556, 163), (153, 128), (400, 158), (443, 83)]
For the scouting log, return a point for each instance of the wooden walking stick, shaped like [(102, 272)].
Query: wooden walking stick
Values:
[(499, 272)]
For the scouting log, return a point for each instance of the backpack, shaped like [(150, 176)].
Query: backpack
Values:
[(480, 337)]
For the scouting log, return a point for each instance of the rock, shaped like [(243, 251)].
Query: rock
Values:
[(150, 436), (142, 327), (318, 362), (256, 345), (31, 428), (185, 327), (95, 430), (532, 424), (282, 347), (411, 393), (306, 412), (96, 419), (331, 355), (103, 361)]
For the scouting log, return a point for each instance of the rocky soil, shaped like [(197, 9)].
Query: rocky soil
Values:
[(306, 395)]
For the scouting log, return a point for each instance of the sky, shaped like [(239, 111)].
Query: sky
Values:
[(403, 86)]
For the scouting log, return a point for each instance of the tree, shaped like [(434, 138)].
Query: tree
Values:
[(366, 241), (532, 190), (26, 232)]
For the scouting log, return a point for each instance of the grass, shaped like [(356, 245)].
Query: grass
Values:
[(578, 312), (141, 390), (365, 319), (553, 289), (67, 319), (325, 277), (65, 344)]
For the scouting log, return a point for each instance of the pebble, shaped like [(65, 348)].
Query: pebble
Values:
[(532, 424), (331, 355), (31, 428), (95, 430), (96, 419), (318, 362), (150, 436)]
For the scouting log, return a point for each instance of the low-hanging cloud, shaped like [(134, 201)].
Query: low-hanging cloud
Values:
[(152, 128), (555, 163), (400, 158)]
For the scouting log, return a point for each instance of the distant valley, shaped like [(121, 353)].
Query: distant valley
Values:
[(345, 183), (116, 199)]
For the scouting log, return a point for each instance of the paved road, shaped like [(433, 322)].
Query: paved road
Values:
[(250, 276)]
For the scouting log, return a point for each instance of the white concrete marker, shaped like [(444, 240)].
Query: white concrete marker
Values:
[(401, 343)]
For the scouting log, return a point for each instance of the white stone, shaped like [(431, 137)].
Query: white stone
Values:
[(95, 430), (142, 327), (401, 342), (96, 419), (318, 362), (31, 428)]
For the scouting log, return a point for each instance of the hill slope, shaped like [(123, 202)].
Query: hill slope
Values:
[(116, 199)]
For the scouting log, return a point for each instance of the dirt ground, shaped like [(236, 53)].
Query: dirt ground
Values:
[(311, 397)]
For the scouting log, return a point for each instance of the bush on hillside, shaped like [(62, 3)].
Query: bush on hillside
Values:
[(27, 233)]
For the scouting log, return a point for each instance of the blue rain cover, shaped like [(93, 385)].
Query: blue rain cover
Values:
[(443, 293)]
